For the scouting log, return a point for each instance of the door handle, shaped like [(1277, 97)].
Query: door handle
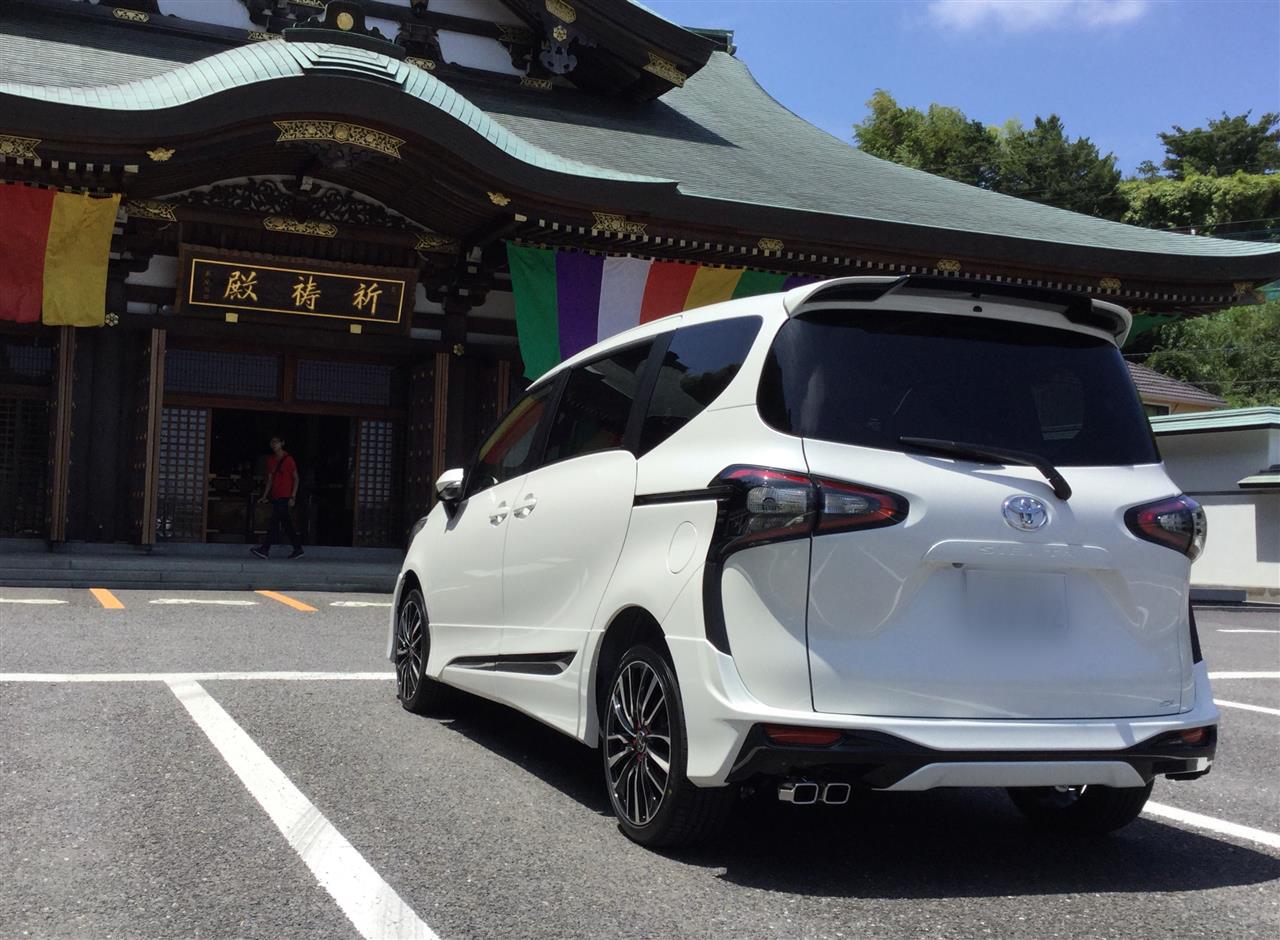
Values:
[(526, 506), (499, 515)]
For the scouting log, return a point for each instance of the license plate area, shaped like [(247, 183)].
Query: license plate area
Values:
[(1014, 604)]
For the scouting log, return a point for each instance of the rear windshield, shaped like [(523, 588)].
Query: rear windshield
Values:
[(870, 378)]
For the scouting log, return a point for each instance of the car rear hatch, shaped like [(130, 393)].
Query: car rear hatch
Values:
[(995, 596)]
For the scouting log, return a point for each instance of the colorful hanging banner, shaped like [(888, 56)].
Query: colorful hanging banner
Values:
[(53, 255), (569, 300)]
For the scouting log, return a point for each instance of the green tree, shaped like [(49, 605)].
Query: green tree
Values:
[(1043, 164), (1039, 163), (1234, 354), (940, 141), (1242, 204), (1228, 144)]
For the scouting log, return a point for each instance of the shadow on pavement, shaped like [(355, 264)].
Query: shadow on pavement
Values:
[(939, 844)]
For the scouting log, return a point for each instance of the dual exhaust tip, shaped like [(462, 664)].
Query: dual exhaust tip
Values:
[(806, 792)]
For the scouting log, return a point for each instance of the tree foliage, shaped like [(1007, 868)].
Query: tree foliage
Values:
[(1240, 204), (1228, 145), (1234, 354), (1043, 164), (941, 141), (1040, 163)]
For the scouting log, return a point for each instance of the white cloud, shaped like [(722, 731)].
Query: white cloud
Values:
[(1026, 15)]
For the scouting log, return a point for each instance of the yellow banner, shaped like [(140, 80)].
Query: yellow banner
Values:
[(75, 259)]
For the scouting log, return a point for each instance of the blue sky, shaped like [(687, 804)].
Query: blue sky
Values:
[(1117, 71)]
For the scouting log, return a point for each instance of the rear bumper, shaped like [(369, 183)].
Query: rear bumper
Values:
[(726, 742), (883, 761)]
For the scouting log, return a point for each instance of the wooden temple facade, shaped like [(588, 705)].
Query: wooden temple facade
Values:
[(316, 201)]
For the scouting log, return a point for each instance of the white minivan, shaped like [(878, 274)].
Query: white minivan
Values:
[(879, 532)]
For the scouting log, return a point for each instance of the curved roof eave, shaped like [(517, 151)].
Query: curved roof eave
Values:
[(273, 61)]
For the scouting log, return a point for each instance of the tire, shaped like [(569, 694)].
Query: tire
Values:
[(416, 691), (1089, 810), (657, 807)]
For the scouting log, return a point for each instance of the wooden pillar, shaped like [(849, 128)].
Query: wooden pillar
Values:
[(150, 432), (439, 421), (60, 449), (456, 309)]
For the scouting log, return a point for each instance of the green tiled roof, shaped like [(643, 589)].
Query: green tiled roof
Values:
[(268, 61), (721, 137)]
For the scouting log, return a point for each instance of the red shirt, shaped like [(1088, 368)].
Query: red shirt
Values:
[(282, 470)]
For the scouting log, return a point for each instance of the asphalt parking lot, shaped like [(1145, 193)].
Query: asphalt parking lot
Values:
[(236, 765)]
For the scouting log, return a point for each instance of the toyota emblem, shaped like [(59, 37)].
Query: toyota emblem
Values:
[(1025, 512)]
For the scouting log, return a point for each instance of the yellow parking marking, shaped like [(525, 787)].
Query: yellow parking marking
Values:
[(287, 600), (108, 600)]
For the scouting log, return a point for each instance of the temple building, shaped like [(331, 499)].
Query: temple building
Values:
[(363, 226)]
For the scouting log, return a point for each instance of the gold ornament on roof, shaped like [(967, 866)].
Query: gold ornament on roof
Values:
[(560, 33), (432, 242), (1109, 283), (948, 266), (161, 154), (541, 84), (131, 16), (665, 69), (340, 132), (500, 199), (620, 224), (1242, 287), (256, 35), (275, 223), (345, 21), (151, 209), (425, 64), (562, 11), (18, 146), (770, 244)]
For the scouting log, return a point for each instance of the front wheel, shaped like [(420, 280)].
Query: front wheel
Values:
[(1087, 809), (416, 691), (644, 747)]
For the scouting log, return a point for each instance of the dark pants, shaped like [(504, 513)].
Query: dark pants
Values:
[(280, 516)]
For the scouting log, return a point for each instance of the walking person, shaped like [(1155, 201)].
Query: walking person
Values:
[(281, 491)]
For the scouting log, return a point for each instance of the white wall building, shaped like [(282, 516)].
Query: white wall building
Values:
[(1230, 462)]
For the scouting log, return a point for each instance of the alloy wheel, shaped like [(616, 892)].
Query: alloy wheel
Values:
[(408, 656), (638, 743)]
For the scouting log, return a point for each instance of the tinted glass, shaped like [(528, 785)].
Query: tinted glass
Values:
[(596, 403), (700, 363), (506, 452), (872, 378)]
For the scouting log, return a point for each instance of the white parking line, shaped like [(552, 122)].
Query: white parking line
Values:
[(29, 600), (1248, 708), (229, 602), (371, 904), (193, 676), (1246, 630), (1200, 821), (1244, 675), (359, 603)]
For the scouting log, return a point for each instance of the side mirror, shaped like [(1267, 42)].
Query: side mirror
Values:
[(449, 486)]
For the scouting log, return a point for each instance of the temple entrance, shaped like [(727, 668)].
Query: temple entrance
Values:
[(342, 421), (324, 447)]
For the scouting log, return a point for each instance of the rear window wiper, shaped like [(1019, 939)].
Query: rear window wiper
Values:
[(933, 445)]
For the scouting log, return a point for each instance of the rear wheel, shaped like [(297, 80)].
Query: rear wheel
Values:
[(644, 748), (416, 691), (1088, 809)]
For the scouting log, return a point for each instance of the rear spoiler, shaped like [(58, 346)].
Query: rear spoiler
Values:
[(1076, 308)]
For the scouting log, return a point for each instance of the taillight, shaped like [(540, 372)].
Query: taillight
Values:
[(1177, 523), (762, 506), (811, 737), (844, 506)]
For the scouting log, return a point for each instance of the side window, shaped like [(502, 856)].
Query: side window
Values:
[(700, 363), (506, 452), (596, 404)]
